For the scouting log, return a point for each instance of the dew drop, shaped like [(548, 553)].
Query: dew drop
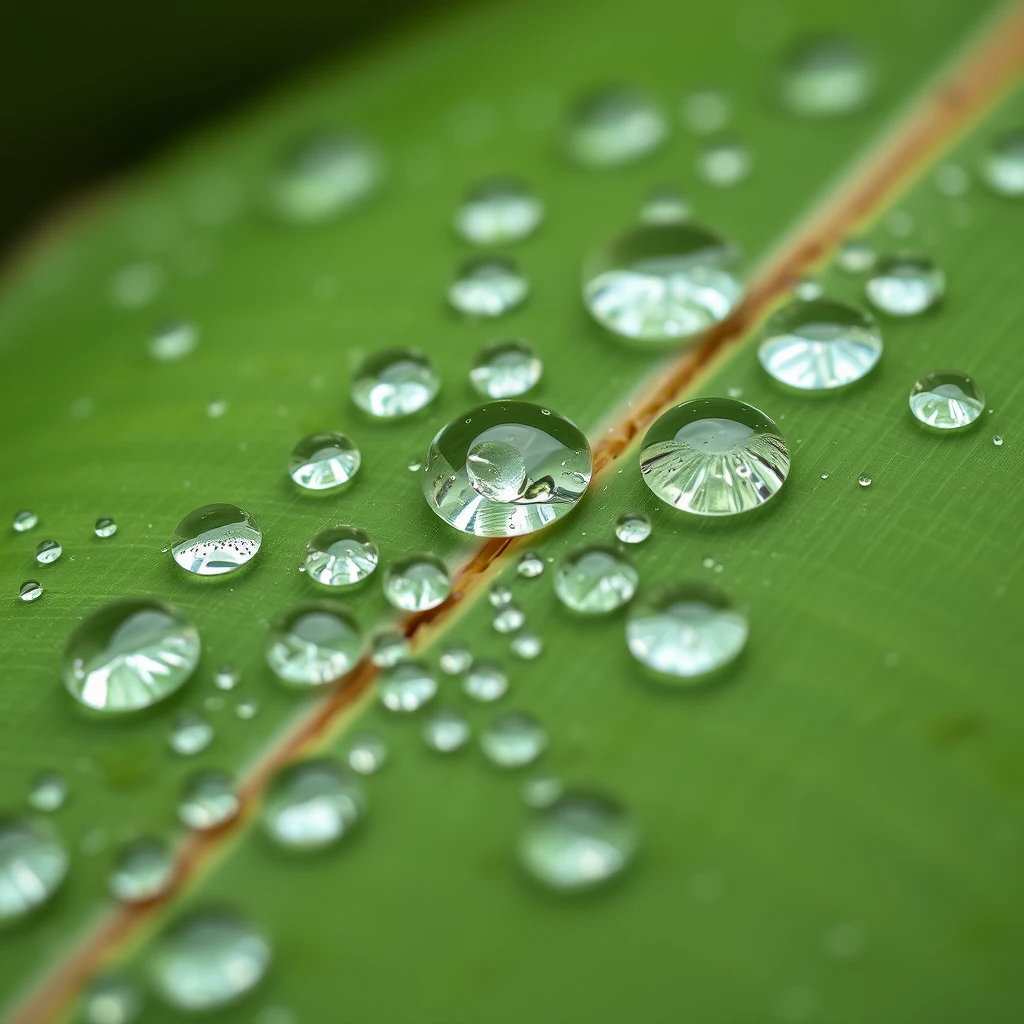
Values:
[(724, 162), (485, 682), (498, 211), (856, 256), (530, 565), (455, 660), (143, 869), (864, 480), (323, 462), (311, 805), (314, 644), (394, 383), (208, 800), (488, 286), (1002, 167), (136, 285), (340, 556), (665, 205), (808, 289), (111, 999), (215, 539), (997, 440), (614, 125), (499, 595), (367, 753), (173, 341), (826, 77), (25, 520), (247, 708), (226, 677), (388, 648), (48, 792), (446, 731), (527, 645), (632, 528), (905, 285), (417, 583), (190, 734), (30, 590), (513, 740), (595, 581), (947, 400), (542, 790), (406, 686), (217, 408), (48, 551), (505, 369), (33, 863), (509, 619), (105, 527), (706, 111)]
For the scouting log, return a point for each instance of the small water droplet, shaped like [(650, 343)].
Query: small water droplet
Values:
[(33, 863), (488, 286), (314, 644), (946, 400), (367, 753), (111, 999), (143, 869), (30, 590), (247, 708), (542, 790), (826, 77), (527, 645), (311, 805), (595, 581), (632, 528), (406, 686), (388, 648), (226, 677), (340, 556), (498, 211), (446, 731), (864, 480), (417, 583), (217, 408), (136, 285), (485, 682), (105, 527), (48, 551), (505, 369), (706, 111), (208, 800), (1002, 167), (997, 440), (530, 565), (856, 256), (48, 792), (414, 465), (513, 740), (724, 162), (173, 341), (215, 539), (665, 205), (455, 660), (905, 285), (824, 476), (499, 595), (952, 180), (394, 383), (614, 125), (509, 619), (324, 461), (25, 520), (190, 734), (808, 289)]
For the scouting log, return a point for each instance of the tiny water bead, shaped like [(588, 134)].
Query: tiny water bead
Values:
[(714, 457), (665, 205), (686, 633), (190, 734), (513, 740), (48, 792), (455, 660), (207, 959), (808, 289), (446, 731), (488, 286), (947, 400), (394, 383), (724, 162), (388, 648), (905, 285), (827, 77), (499, 595), (33, 863), (614, 125), (111, 999), (130, 654), (819, 345), (505, 369), (340, 556), (579, 841), (864, 480), (706, 111), (173, 341), (142, 870), (498, 211), (30, 590), (530, 565), (632, 528), (509, 619), (1003, 164), (659, 283), (997, 440), (312, 804), (323, 462), (527, 645), (417, 583), (208, 800), (226, 677), (48, 551), (105, 527), (25, 520), (595, 581), (367, 753), (486, 681), (406, 686), (215, 539), (505, 469), (314, 644), (247, 708), (856, 256)]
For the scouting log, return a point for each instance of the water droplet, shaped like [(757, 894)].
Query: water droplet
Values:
[(324, 461), (226, 677), (414, 465), (513, 740), (856, 256), (488, 286), (905, 285), (947, 400), (136, 285), (686, 633), (997, 440), (406, 686), (527, 645), (417, 583), (48, 551), (190, 734), (498, 211), (367, 753), (25, 520), (485, 682), (864, 480), (396, 382), (614, 125), (30, 590), (499, 595), (388, 648), (506, 469), (207, 959), (505, 369), (216, 408), (632, 528), (714, 457), (314, 644), (208, 800), (665, 205), (542, 790), (808, 289), (105, 527), (509, 619), (48, 792), (340, 556), (724, 162), (661, 282), (446, 731), (173, 341), (827, 77), (530, 565), (111, 999), (595, 581), (455, 660), (311, 805), (578, 842), (819, 345), (215, 539), (706, 111), (1003, 165), (143, 869), (247, 708), (33, 863), (130, 654)]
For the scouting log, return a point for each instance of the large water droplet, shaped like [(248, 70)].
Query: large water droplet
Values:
[(312, 804), (947, 400), (208, 800), (190, 734), (595, 581), (143, 870), (215, 539), (417, 583), (396, 382), (323, 462), (30, 590), (513, 740), (25, 520), (340, 556), (314, 644), (488, 286), (486, 681), (48, 792), (905, 285), (498, 211), (129, 655), (1003, 164), (633, 528), (173, 341), (367, 753), (505, 469), (826, 77), (614, 125), (111, 999), (388, 648), (505, 369), (33, 863), (406, 686), (661, 282), (48, 551), (446, 731)]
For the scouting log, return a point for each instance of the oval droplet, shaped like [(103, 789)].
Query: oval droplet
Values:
[(105, 527), (632, 528), (33, 863), (407, 686), (614, 125), (505, 369), (595, 581), (394, 383), (417, 583), (1003, 164), (323, 462), (486, 681), (314, 644), (827, 77), (190, 734), (208, 800), (48, 551), (311, 805), (215, 540), (498, 211), (947, 400), (488, 286), (340, 556), (446, 731), (905, 285), (513, 740), (143, 869), (30, 590)]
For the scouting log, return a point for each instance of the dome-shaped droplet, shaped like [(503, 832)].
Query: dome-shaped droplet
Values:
[(488, 286), (208, 800), (208, 959), (48, 551), (367, 753), (130, 654), (446, 731), (312, 804), (665, 205), (499, 595), (527, 646), (1003, 164), (226, 677), (455, 660), (826, 77), (947, 400), (48, 792), (486, 681), (542, 790), (660, 283), (578, 842), (323, 462), (215, 539), (614, 125), (143, 869), (505, 469), (513, 740), (820, 345), (905, 285), (417, 583), (388, 648), (30, 590), (111, 999), (314, 644), (406, 686), (173, 341), (25, 520), (190, 734), (632, 528), (530, 565), (33, 863), (340, 556), (509, 618), (105, 527), (505, 369), (724, 162), (706, 111), (714, 457), (856, 256), (396, 382), (686, 633), (498, 211), (595, 581)]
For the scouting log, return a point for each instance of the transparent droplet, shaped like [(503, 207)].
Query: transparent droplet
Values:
[(455, 660), (48, 551), (215, 539), (48, 792), (314, 644), (30, 590), (326, 176), (208, 959), (406, 686), (513, 740), (686, 633), (446, 731), (632, 528), (509, 619), (340, 556), (665, 205), (130, 654), (905, 285), (143, 869), (226, 677), (25, 520), (324, 461), (542, 790), (367, 753), (661, 282), (827, 77), (1003, 164), (417, 583), (105, 527), (714, 457), (216, 408), (190, 734), (706, 111), (485, 682), (505, 469), (111, 999), (808, 289), (614, 125), (488, 286), (33, 863), (997, 440), (173, 341), (414, 465), (136, 285), (724, 162), (312, 804), (947, 400), (388, 648), (595, 581), (526, 645), (864, 480), (247, 708), (856, 256), (498, 211), (505, 369), (208, 800), (819, 345), (953, 180), (396, 382), (499, 595), (530, 565)]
